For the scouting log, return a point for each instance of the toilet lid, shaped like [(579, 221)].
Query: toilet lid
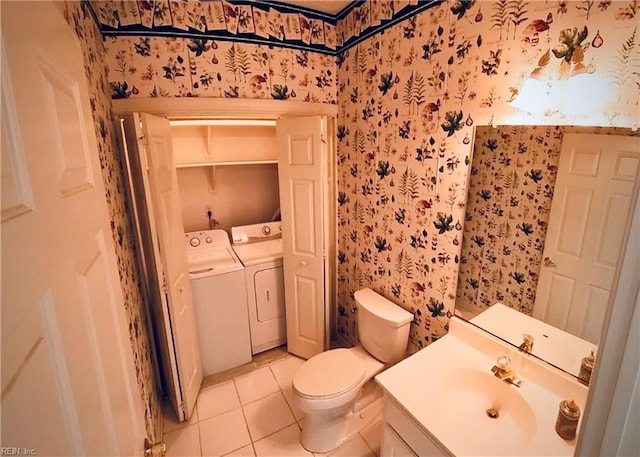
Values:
[(329, 374)]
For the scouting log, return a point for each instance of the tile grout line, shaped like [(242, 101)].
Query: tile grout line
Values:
[(295, 419), (197, 424), (244, 416), (276, 431), (281, 390), (252, 441)]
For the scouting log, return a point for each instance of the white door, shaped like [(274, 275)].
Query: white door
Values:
[(302, 172), (594, 191), (154, 136), (68, 378)]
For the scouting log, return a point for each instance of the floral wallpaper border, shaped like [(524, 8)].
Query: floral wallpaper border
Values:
[(257, 22)]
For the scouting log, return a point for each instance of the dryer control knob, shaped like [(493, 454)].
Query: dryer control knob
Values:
[(209, 239), (195, 242), (266, 230)]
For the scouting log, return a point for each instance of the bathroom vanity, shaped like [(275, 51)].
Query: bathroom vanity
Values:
[(446, 400), (403, 436)]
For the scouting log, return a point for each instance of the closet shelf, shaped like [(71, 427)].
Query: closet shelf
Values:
[(225, 164), (213, 146)]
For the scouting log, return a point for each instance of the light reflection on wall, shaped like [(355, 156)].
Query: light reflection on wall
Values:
[(583, 99)]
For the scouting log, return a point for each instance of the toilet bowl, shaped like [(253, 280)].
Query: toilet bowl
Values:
[(327, 385)]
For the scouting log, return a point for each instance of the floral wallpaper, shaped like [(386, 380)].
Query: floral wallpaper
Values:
[(513, 175), (400, 178), (184, 67), (409, 99), (79, 19)]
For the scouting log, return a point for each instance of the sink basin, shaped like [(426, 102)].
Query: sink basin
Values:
[(498, 410), (448, 388)]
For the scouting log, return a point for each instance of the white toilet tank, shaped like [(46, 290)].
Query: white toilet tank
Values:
[(383, 326)]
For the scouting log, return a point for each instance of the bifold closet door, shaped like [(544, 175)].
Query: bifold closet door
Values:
[(153, 181), (302, 171)]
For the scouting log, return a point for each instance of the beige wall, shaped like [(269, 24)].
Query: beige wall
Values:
[(241, 195)]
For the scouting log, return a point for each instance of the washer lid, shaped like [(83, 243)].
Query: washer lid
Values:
[(213, 261), (329, 374)]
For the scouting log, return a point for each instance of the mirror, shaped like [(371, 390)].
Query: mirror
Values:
[(515, 240)]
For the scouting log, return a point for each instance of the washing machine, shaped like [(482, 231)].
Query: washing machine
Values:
[(220, 301), (259, 247)]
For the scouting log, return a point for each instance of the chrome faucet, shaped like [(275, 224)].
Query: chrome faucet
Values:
[(502, 370), (527, 343)]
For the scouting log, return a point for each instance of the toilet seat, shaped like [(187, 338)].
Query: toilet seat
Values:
[(329, 374)]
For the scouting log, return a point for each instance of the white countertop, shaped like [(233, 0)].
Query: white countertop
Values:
[(430, 386)]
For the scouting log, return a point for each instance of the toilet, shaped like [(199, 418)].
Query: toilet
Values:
[(327, 385)]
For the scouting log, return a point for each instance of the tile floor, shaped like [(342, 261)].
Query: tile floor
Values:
[(251, 414)]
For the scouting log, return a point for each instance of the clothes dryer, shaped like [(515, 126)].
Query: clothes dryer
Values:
[(259, 247)]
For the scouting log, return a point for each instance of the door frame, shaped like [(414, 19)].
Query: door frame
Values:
[(613, 372), (238, 108), (194, 107)]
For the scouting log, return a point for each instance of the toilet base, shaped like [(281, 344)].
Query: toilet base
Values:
[(322, 433)]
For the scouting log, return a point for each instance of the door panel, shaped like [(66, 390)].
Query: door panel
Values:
[(166, 225), (616, 210), (68, 378), (575, 207), (70, 147), (307, 320), (98, 305), (302, 178), (595, 188), (35, 352), (303, 193), (559, 292), (16, 188)]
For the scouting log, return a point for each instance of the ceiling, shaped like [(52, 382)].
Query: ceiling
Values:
[(325, 6)]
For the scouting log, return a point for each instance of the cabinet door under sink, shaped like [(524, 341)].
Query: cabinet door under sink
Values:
[(269, 290), (393, 445)]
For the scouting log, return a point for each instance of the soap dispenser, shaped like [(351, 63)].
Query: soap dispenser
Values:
[(586, 367), (567, 422)]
